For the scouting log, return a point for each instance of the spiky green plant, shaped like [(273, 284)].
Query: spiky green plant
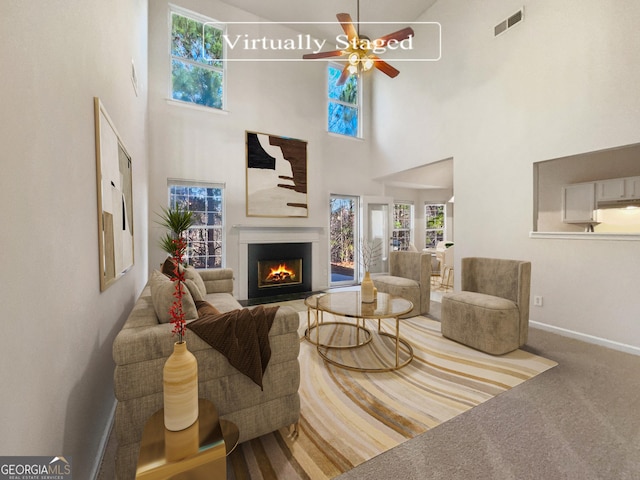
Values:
[(177, 221)]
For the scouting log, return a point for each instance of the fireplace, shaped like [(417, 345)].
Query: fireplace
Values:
[(278, 269)]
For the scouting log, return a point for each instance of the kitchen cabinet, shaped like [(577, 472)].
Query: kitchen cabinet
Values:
[(579, 203), (632, 188), (618, 189), (612, 189)]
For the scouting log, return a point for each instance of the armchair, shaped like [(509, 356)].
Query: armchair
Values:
[(410, 278), (491, 313)]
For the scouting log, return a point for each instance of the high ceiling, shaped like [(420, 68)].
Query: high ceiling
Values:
[(438, 175), (317, 11), (325, 11)]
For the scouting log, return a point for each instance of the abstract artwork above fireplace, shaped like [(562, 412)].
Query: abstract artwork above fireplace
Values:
[(276, 176)]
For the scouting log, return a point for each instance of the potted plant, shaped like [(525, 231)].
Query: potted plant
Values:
[(180, 372), (177, 220)]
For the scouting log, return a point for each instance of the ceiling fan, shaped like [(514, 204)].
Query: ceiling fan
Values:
[(359, 50)]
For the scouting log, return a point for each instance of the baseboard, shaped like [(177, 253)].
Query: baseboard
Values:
[(104, 440), (623, 347)]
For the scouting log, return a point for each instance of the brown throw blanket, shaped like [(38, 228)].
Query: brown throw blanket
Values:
[(241, 335)]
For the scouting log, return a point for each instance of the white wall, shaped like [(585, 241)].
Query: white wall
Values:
[(271, 97), (562, 82), (56, 367)]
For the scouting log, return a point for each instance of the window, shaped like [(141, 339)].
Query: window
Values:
[(402, 225), (197, 54), (434, 221), (343, 110), (205, 242)]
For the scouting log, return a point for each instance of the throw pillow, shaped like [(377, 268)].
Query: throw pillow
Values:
[(193, 290), (168, 267), (162, 290), (205, 308), (191, 273)]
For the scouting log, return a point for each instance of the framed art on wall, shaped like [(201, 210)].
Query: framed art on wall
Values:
[(115, 206), (276, 176)]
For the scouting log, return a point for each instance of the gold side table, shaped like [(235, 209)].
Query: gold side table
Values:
[(197, 452)]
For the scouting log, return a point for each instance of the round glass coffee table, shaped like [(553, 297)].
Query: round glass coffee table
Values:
[(349, 305), (312, 305)]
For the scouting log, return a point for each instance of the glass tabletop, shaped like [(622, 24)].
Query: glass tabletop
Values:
[(349, 304)]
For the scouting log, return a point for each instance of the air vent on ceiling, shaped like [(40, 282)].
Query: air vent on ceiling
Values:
[(510, 22)]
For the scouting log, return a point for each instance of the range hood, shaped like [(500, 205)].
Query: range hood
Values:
[(622, 203)]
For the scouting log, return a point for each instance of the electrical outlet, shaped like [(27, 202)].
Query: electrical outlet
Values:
[(537, 300)]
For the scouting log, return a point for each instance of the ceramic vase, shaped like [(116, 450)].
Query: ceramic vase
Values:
[(366, 289), (180, 388)]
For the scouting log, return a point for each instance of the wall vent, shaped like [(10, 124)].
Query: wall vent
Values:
[(508, 23)]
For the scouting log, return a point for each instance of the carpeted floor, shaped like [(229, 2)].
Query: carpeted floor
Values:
[(577, 420), (349, 417)]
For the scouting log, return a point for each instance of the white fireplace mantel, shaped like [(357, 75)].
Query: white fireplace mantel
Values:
[(248, 234)]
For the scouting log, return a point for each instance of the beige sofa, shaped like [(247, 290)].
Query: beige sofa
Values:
[(143, 345)]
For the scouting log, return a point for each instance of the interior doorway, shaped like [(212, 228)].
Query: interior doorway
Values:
[(377, 219)]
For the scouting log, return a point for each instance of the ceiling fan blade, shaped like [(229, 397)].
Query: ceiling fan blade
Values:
[(384, 67), (347, 26), (344, 76), (332, 53), (399, 36)]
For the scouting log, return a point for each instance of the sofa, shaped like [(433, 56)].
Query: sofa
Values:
[(143, 344)]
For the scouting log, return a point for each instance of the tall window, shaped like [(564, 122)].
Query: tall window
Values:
[(402, 225), (197, 54), (434, 221), (205, 239), (343, 110)]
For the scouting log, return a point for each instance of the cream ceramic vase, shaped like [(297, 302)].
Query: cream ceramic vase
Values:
[(367, 289), (180, 388)]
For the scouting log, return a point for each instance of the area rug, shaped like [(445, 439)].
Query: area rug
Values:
[(348, 417)]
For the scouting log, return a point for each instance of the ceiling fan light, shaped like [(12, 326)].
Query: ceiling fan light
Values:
[(367, 63), (353, 69), (354, 58)]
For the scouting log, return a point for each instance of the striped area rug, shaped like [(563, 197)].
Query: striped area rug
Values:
[(348, 417)]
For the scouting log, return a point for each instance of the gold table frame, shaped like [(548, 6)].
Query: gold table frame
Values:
[(348, 304), (197, 452), (312, 304)]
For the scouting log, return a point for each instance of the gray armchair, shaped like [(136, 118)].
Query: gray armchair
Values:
[(491, 313), (410, 278)]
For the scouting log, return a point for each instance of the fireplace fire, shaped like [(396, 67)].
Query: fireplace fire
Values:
[(276, 272), (278, 269)]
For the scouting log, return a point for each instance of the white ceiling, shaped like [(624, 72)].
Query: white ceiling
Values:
[(404, 11), (435, 175), (325, 10)]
